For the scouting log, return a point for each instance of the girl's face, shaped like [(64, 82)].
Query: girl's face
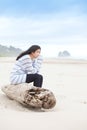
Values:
[(36, 53)]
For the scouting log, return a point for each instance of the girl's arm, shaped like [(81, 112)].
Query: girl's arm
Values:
[(38, 62), (31, 68)]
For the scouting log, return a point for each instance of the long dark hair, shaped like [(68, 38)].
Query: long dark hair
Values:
[(33, 48)]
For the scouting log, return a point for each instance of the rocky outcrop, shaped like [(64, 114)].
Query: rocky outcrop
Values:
[(64, 54)]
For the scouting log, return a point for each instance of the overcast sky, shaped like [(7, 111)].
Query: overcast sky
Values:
[(56, 25)]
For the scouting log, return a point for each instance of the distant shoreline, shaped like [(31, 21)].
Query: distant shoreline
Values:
[(49, 60), (65, 61)]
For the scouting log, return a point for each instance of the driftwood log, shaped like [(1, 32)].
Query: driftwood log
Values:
[(30, 96)]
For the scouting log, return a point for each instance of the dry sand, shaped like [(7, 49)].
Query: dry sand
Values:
[(67, 79)]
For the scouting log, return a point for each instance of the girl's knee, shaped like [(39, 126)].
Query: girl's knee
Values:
[(39, 76)]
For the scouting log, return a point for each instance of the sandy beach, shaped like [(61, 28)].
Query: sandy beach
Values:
[(67, 79)]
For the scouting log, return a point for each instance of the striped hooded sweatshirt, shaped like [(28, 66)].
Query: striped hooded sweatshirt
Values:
[(23, 66)]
